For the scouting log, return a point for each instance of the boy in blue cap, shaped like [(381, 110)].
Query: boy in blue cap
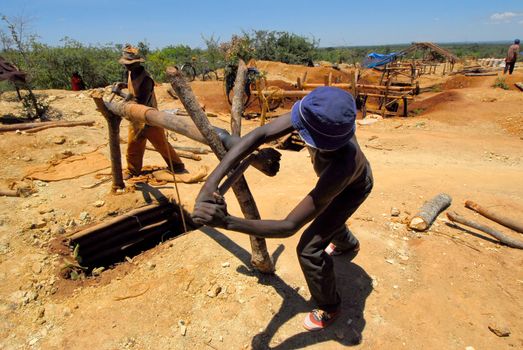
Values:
[(325, 120)]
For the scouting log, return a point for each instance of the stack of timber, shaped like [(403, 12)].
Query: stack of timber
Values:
[(478, 71), (126, 235)]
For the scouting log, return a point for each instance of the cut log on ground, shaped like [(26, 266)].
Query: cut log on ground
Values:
[(260, 257), (429, 211), (61, 125), (35, 127), (508, 241), (9, 193), (511, 223)]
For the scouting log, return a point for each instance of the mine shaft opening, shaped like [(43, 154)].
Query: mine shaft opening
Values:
[(128, 235)]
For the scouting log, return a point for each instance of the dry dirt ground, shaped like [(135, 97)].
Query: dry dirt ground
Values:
[(440, 289)]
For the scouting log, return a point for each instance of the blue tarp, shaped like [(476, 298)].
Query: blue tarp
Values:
[(374, 59)]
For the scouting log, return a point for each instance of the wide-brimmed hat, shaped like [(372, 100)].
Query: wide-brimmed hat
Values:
[(130, 54), (325, 118)]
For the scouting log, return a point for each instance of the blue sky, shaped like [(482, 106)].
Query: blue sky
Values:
[(335, 22)]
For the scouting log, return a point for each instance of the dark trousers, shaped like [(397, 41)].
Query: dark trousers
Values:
[(329, 226), (509, 66)]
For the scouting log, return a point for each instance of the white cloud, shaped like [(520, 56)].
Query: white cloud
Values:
[(504, 16)]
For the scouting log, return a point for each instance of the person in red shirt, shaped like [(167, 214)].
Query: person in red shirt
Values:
[(77, 83)]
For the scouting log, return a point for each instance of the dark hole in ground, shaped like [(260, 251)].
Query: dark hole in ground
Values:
[(127, 235)]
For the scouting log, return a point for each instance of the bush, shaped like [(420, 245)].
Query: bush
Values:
[(500, 83)]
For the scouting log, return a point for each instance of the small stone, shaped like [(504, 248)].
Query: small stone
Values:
[(37, 268), (58, 230), (394, 212), (59, 140), (390, 261), (52, 98), (99, 203), (78, 111), (226, 264), (183, 327), (84, 216), (39, 224), (349, 321), (41, 313), (97, 271), (220, 338), (469, 348), (403, 257), (67, 153), (63, 195), (374, 281), (27, 159), (80, 142), (151, 266), (214, 291), (499, 330)]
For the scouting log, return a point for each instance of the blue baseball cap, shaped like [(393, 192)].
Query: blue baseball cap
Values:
[(325, 118)]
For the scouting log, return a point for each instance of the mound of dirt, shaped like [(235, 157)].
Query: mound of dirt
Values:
[(433, 103), (290, 72), (461, 82)]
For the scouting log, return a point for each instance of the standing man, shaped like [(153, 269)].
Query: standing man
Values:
[(512, 57), (141, 89), (325, 120)]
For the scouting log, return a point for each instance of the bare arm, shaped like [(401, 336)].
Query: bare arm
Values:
[(269, 132), (214, 212)]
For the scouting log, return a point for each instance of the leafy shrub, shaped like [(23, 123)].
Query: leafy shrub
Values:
[(500, 83)]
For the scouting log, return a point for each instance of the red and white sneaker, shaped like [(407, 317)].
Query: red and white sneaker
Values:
[(333, 251), (317, 319)]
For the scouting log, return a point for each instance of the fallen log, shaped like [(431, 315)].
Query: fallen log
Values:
[(511, 223), (508, 241), (43, 125), (429, 211), (61, 125), (519, 86), (260, 257), (196, 150), (9, 193)]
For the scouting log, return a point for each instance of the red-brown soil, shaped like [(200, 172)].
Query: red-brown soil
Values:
[(440, 289)]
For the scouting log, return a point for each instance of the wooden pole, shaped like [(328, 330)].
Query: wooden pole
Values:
[(260, 257), (41, 125), (267, 160), (237, 100), (511, 242), (511, 223), (113, 124)]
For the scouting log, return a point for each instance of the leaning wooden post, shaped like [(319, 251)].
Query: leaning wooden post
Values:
[(237, 100), (113, 123), (260, 257)]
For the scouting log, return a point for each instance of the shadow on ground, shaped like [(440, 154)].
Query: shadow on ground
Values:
[(354, 286)]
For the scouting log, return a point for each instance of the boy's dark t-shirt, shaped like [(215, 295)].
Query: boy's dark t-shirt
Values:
[(347, 162)]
